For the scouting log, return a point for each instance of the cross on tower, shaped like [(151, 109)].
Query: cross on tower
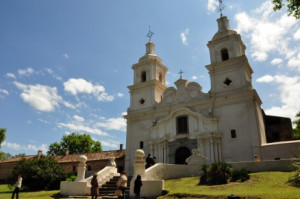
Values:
[(180, 72), (150, 34), (221, 7)]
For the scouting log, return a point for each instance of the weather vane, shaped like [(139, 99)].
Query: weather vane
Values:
[(150, 34), (221, 7), (180, 72)]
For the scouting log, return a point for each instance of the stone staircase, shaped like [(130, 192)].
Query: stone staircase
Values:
[(107, 190)]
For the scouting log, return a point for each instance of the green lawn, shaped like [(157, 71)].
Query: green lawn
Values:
[(264, 185), (5, 192)]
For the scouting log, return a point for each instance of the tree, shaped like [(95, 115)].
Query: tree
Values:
[(76, 143), (296, 130), (2, 135), (5, 156), (292, 5), (42, 173)]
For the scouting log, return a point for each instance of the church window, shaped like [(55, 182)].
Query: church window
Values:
[(143, 76), (142, 101), (224, 54), (227, 82), (141, 144), (182, 124), (74, 168), (233, 133), (89, 168), (160, 77)]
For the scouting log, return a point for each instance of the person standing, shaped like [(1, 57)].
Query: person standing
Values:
[(18, 185), (122, 183), (137, 186), (95, 187)]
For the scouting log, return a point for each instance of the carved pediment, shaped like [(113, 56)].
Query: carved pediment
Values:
[(185, 92)]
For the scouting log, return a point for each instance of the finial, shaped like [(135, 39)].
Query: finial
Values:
[(221, 7), (150, 34), (180, 72)]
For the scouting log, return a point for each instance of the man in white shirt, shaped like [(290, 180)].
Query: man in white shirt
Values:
[(18, 185)]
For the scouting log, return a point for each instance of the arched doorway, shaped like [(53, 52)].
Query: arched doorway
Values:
[(182, 153)]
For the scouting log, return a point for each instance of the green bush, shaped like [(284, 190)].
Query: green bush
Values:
[(216, 173), (239, 175), (38, 174), (71, 178), (295, 180)]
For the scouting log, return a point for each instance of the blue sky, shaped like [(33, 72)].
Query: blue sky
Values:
[(65, 64)]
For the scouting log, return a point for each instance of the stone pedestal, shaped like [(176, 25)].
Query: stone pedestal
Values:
[(81, 168)]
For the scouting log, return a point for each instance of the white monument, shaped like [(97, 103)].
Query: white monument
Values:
[(80, 186)]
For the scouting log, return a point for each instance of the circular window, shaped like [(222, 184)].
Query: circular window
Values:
[(142, 101)]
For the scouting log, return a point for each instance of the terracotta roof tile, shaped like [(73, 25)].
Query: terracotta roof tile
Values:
[(105, 155), (90, 156), (18, 159)]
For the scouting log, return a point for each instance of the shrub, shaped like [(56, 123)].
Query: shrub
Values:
[(239, 175), (216, 173), (295, 180), (38, 174)]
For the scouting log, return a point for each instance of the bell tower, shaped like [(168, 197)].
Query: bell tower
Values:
[(229, 69), (149, 80)]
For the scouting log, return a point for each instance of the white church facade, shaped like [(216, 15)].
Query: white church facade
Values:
[(224, 124)]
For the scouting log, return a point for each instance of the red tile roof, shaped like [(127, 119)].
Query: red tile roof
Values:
[(105, 155)]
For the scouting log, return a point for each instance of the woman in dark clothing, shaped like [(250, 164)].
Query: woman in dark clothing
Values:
[(95, 187), (137, 186)]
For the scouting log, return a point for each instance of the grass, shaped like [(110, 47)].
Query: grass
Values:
[(264, 185), (5, 192)]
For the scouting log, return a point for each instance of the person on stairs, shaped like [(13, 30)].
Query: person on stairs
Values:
[(122, 183), (95, 186)]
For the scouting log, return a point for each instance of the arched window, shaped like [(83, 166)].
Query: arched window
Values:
[(160, 77), (224, 54), (143, 76)]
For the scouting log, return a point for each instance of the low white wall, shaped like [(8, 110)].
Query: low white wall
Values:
[(282, 150), (74, 188), (162, 171), (271, 165), (150, 188)]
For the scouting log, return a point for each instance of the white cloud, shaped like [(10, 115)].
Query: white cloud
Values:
[(113, 124), (183, 36), (268, 32), (294, 62), (289, 88), (40, 97), (76, 86), (66, 56), (4, 92), (194, 77), (297, 34), (110, 143), (265, 79), (11, 75), (29, 71), (29, 147), (212, 5), (82, 128), (120, 95), (50, 71), (78, 118), (276, 61)]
